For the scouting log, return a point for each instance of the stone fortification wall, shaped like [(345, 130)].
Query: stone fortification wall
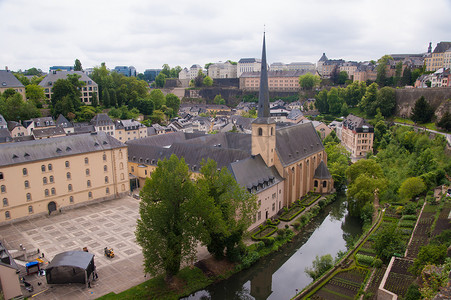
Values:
[(439, 98)]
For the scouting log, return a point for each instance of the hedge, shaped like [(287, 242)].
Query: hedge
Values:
[(364, 259), (256, 236)]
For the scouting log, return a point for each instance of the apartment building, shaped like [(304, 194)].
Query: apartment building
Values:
[(277, 80), (222, 70), (127, 130), (43, 176), (9, 81), (436, 59), (357, 136), (89, 90), (248, 65)]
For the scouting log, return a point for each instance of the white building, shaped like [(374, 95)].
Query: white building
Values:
[(222, 70), (248, 65)]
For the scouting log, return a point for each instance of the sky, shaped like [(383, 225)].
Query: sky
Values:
[(148, 34)]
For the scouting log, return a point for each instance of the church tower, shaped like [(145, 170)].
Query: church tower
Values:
[(264, 127)]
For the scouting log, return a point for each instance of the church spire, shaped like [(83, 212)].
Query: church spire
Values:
[(263, 98)]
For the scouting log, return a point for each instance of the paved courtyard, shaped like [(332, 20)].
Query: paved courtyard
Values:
[(96, 226)]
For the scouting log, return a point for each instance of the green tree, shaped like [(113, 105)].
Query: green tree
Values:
[(338, 159), (24, 80), (367, 104), (381, 77), (33, 71), (172, 101), (334, 101), (385, 101), (106, 98), (158, 117), (94, 99), (342, 77), (321, 102), (319, 266), (219, 100), (422, 112), (406, 78), (388, 241), (160, 80), (445, 121), (66, 95), (309, 81), (208, 81), (35, 93), (157, 98), (411, 187), (168, 228), (77, 65), (398, 74), (14, 108), (199, 79), (353, 94), (431, 254), (344, 109), (234, 208)]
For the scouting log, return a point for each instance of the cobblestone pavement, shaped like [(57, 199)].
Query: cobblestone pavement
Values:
[(95, 226)]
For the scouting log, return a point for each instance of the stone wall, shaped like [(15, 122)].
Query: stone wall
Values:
[(439, 98)]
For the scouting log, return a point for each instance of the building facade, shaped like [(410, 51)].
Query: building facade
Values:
[(40, 177), (9, 81), (248, 65), (436, 59), (357, 136), (222, 70), (277, 81)]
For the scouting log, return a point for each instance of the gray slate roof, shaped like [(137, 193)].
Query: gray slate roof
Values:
[(5, 136), (63, 122), (101, 120), (165, 140), (47, 132), (297, 142), (252, 171), (52, 77), (322, 172), (29, 151), (8, 80), (3, 122)]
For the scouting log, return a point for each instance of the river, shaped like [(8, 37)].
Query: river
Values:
[(281, 275)]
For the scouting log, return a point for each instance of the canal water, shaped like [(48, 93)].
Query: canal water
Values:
[(281, 275)]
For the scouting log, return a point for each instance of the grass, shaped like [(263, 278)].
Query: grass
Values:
[(156, 288), (430, 126)]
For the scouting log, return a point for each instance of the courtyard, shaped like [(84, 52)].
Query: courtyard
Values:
[(95, 226)]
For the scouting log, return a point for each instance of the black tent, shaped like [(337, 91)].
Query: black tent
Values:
[(70, 267)]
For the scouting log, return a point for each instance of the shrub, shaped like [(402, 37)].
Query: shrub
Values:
[(377, 263), (281, 231), (322, 203), (249, 259), (286, 226), (364, 259), (413, 293), (409, 209), (268, 241), (297, 225), (409, 217)]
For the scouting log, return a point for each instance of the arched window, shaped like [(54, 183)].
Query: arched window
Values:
[(46, 192), (71, 199), (44, 180), (88, 183), (43, 168), (53, 191), (90, 195), (120, 153), (67, 164), (3, 189), (50, 167), (51, 179), (260, 131), (28, 197), (106, 179), (324, 183), (104, 157), (7, 215), (27, 184), (69, 187), (316, 183), (68, 175), (5, 202), (272, 131), (86, 160), (122, 176), (121, 166), (87, 172), (30, 209), (107, 191), (105, 168), (24, 171)]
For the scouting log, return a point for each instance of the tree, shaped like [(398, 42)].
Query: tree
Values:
[(398, 73), (385, 101), (422, 112), (66, 95), (199, 79), (168, 227), (35, 93), (406, 78), (353, 94), (342, 77), (160, 80), (309, 81), (94, 100), (24, 80), (320, 265), (381, 77), (157, 98), (106, 98), (33, 71), (208, 81), (172, 101), (219, 100), (445, 121), (234, 208), (338, 159), (388, 241), (158, 117), (334, 74), (77, 65), (334, 101), (14, 108), (367, 104), (321, 102), (344, 109), (411, 187)]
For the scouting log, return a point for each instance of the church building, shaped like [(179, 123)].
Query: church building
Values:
[(278, 164)]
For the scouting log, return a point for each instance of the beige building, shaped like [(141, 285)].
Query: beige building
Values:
[(43, 176), (89, 90), (222, 70), (9, 81), (357, 136), (436, 59), (9, 275), (277, 81), (127, 130), (248, 65)]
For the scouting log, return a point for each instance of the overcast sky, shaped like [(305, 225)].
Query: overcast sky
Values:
[(148, 34)]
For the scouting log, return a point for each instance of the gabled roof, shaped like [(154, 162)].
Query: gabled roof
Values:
[(165, 140), (13, 124), (53, 76), (323, 57), (297, 142), (5, 135), (8, 80), (322, 172), (3, 122), (48, 132), (63, 122), (29, 151), (442, 47), (101, 120)]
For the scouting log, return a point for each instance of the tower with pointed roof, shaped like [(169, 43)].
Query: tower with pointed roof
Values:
[(264, 127)]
